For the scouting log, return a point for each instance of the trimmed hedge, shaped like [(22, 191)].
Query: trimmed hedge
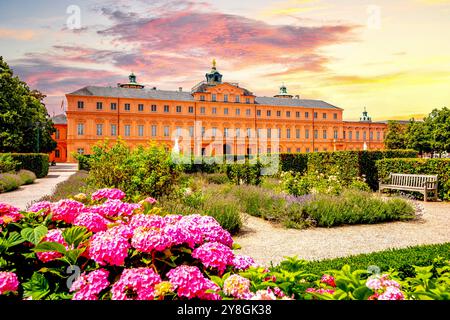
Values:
[(441, 167), (403, 260), (349, 164), (34, 162)]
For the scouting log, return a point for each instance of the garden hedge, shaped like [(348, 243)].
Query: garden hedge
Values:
[(349, 164), (35, 162), (438, 166)]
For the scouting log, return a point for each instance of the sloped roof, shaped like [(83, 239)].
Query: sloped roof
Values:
[(114, 92), (59, 119)]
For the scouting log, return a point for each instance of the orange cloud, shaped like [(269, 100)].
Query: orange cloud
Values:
[(17, 34)]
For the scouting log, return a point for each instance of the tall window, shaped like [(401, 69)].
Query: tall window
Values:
[(166, 131), (269, 133), (325, 134), (140, 130), (214, 110), (249, 132), (357, 135), (57, 134), (307, 133), (154, 108), (278, 113), (127, 107), (140, 107), (364, 136), (202, 110), (248, 112), (288, 114), (154, 130), (324, 116), (237, 99), (57, 153), (225, 98), (225, 132), (371, 136), (178, 109), (288, 133), (225, 111), (238, 133), (99, 105), (258, 113), (191, 109), (238, 112), (297, 114), (80, 129), (80, 104), (99, 129), (297, 133), (335, 116), (378, 136), (127, 130), (178, 132), (247, 100), (113, 106), (269, 113), (113, 130), (191, 131), (350, 135), (214, 97), (166, 109), (279, 133), (214, 132), (316, 134), (307, 150), (203, 131), (315, 115), (306, 115), (336, 134), (259, 133), (288, 150), (202, 98)]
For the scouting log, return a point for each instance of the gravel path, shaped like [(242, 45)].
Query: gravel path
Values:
[(266, 242), (26, 195)]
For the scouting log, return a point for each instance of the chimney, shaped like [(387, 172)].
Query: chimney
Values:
[(180, 89), (297, 97), (154, 88)]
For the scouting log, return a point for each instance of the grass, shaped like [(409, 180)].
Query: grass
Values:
[(72, 186), (402, 260)]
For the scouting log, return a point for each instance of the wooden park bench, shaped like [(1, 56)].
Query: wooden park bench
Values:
[(424, 184)]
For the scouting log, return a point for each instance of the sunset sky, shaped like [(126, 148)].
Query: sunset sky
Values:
[(391, 56)]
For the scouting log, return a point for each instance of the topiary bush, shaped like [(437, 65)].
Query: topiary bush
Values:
[(9, 182), (441, 167), (35, 162)]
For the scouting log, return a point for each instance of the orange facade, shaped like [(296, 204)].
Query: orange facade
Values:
[(60, 136), (213, 118)]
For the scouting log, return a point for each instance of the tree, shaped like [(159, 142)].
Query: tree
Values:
[(418, 136), (25, 125), (395, 136), (439, 124)]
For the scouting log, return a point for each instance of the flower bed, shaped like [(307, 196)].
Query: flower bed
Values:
[(102, 248)]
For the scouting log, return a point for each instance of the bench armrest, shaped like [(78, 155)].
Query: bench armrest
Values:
[(433, 184)]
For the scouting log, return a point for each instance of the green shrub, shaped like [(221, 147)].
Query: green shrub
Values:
[(217, 178), (353, 207), (402, 260), (83, 161), (35, 162), (226, 212), (143, 171), (441, 167), (26, 176), (7, 163), (259, 202), (244, 173), (297, 162), (9, 182)]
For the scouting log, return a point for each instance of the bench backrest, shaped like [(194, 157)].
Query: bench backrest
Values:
[(411, 180)]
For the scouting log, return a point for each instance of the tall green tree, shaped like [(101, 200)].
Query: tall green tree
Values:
[(395, 136), (418, 136), (25, 125), (439, 123)]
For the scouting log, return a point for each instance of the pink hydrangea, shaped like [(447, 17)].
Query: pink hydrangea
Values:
[(320, 291), (214, 255), (148, 240), (8, 282), (89, 285), (236, 286), (329, 280), (242, 263), (136, 284), (391, 293), (45, 206), (189, 282), (66, 210), (264, 295), (208, 228), (114, 208), (111, 246), (147, 221), (92, 221), (184, 231), (150, 200), (9, 214), (374, 283), (112, 194), (54, 235)]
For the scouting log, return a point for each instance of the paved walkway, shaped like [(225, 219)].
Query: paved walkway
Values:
[(25, 195), (266, 242)]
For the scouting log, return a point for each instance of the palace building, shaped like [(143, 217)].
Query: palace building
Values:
[(213, 118)]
